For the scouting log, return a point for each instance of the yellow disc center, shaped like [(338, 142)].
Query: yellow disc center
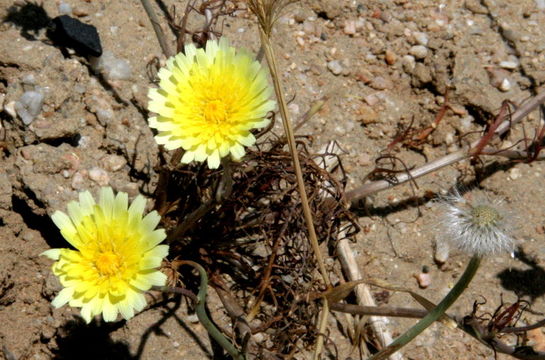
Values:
[(215, 112), (108, 263)]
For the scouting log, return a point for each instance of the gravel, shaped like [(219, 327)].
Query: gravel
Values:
[(29, 106)]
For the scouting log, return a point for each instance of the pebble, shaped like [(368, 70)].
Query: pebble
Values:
[(104, 116), (441, 252), (29, 79), (29, 106), (511, 65), (423, 279), (65, 8), (111, 67), (371, 99), (409, 63), (422, 73), (309, 28), (2, 98), (113, 163), (130, 188), (367, 115), (421, 38), (505, 85), (192, 318), (349, 27), (514, 174), (99, 175), (335, 67), (419, 51), (390, 57), (78, 181), (540, 4), (381, 83)]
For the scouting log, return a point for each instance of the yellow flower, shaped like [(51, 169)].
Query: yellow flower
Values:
[(116, 256), (208, 101)]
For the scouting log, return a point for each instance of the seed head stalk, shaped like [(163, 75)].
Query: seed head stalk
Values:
[(266, 21), (435, 314), (269, 54)]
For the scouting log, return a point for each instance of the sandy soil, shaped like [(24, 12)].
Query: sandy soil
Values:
[(382, 64)]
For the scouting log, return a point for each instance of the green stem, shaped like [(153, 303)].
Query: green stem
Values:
[(200, 308), (435, 314)]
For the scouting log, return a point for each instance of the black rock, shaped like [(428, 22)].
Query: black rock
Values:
[(72, 33)]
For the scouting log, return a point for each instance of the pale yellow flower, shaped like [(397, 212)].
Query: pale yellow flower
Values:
[(116, 255), (209, 100)]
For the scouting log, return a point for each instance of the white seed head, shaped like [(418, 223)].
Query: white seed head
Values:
[(476, 224)]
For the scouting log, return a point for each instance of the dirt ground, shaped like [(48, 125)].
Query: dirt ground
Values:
[(382, 65)]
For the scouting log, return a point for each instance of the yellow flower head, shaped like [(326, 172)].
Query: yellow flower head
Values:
[(116, 256), (208, 101)]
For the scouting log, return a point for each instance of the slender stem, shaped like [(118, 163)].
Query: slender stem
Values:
[(269, 53), (200, 308), (379, 310), (157, 28), (271, 60), (435, 314), (223, 191), (177, 290)]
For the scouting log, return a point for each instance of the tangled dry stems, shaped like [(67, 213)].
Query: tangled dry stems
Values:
[(255, 240)]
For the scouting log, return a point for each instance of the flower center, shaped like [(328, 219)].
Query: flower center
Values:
[(484, 215), (215, 112), (108, 263)]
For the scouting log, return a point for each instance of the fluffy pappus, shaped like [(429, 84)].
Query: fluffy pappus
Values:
[(476, 223)]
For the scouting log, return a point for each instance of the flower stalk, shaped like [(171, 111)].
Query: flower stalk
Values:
[(435, 314), (265, 28)]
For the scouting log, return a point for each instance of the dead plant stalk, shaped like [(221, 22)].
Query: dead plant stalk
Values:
[(266, 21)]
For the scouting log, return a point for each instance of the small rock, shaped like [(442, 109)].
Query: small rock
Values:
[(335, 67), (510, 65), (367, 115), (514, 173), (299, 16), (419, 51), (371, 100), (309, 28), (104, 116), (349, 27), (421, 38), (441, 252), (113, 163), (390, 57), (476, 7), (29, 106), (498, 78), (409, 63), (192, 318), (423, 279), (80, 12), (100, 176), (65, 8), (505, 85), (380, 83), (111, 67), (29, 79), (78, 181), (422, 74), (131, 189)]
